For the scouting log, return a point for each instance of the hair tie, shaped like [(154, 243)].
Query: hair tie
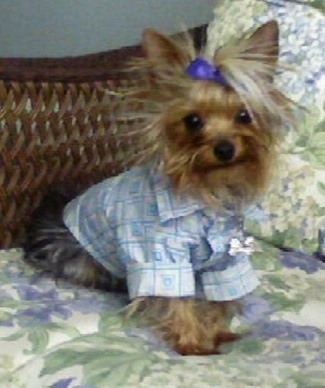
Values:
[(201, 69)]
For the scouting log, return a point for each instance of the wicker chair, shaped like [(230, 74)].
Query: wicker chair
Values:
[(59, 119)]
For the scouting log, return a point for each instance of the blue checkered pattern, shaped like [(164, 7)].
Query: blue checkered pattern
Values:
[(164, 245)]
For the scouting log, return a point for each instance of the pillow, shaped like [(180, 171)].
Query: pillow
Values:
[(294, 207)]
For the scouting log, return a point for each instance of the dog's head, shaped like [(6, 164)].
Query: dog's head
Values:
[(214, 120)]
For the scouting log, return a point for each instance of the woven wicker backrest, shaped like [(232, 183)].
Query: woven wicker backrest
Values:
[(54, 134), (59, 120)]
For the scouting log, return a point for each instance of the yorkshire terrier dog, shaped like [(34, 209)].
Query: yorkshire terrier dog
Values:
[(169, 231)]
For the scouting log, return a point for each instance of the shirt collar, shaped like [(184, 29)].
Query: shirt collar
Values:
[(170, 205)]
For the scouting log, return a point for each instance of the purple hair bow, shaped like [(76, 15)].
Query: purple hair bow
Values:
[(201, 69)]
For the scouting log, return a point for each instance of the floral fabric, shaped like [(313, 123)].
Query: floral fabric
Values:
[(295, 205), (59, 336)]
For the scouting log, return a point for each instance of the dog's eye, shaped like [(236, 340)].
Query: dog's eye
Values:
[(193, 122), (243, 117)]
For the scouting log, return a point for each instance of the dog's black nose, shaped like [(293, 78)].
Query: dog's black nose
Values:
[(224, 151)]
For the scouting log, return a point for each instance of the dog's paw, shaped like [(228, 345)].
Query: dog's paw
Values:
[(205, 345)]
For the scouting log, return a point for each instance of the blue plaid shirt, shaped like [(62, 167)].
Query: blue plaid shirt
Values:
[(164, 245)]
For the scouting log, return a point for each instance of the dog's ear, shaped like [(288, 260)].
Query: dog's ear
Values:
[(160, 50), (263, 45)]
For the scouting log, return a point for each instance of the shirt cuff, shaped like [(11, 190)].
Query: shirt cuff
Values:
[(163, 279), (232, 283)]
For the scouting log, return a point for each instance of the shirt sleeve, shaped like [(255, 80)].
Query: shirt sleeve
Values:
[(230, 275)]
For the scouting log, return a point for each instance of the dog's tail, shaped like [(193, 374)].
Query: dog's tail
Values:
[(50, 247)]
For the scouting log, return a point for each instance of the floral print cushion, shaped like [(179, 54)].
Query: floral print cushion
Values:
[(294, 208), (59, 336)]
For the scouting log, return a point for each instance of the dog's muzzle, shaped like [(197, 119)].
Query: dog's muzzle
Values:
[(225, 151)]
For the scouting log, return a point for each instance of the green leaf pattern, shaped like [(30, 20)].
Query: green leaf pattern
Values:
[(89, 345)]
